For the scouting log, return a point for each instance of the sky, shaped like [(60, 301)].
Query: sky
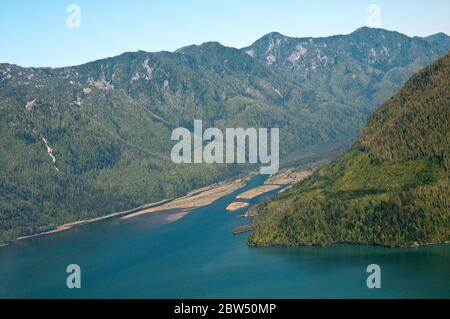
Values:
[(61, 33)]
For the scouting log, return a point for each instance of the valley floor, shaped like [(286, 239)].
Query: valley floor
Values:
[(195, 199)]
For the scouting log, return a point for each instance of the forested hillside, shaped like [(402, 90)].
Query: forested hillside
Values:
[(88, 140), (391, 188)]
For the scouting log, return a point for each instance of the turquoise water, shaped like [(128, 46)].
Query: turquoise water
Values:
[(198, 257)]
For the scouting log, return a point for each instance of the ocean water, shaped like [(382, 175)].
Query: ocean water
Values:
[(199, 257)]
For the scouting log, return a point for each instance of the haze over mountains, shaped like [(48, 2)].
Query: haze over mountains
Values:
[(86, 140)]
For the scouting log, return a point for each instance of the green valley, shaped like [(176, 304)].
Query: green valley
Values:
[(84, 141)]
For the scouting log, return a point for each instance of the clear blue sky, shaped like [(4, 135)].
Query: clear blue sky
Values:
[(34, 33)]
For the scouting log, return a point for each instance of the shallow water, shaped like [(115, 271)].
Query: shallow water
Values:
[(198, 257)]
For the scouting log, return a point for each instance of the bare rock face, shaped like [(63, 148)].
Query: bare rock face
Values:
[(30, 104)]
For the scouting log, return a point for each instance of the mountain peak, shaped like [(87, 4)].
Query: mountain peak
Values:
[(379, 47), (118, 113), (367, 29), (271, 37), (275, 34), (440, 39), (438, 35), (210, 45)]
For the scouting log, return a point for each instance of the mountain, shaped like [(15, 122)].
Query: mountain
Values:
[(87, 140), (440, 39), (391, 188), (361, 69)]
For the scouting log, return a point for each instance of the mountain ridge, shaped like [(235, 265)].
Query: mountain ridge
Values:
[(108, 122), (391, 188), (433, 38)]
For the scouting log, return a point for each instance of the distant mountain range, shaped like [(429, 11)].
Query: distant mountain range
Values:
[(391, 188), (87, 140)]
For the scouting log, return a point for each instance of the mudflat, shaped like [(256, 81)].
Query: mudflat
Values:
[(196, 199), (236, 206)]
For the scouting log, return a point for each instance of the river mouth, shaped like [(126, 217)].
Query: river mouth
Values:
[(196, 255)]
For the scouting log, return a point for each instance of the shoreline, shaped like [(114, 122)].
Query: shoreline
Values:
[(80, 222), (234, 206), (348, 243), (205, 196), (213, 191), (195, 199)]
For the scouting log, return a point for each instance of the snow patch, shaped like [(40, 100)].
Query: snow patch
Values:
[(135, 77), (297, 54), (372, 56), (166, 86), (50, 153), (271, 59), (148, 70), (250, 53), (271, 46), (278, 92), (78, 102), (102, 84), (30, 104), (147, 74)]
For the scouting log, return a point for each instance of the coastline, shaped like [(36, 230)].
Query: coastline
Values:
[(70, 225), (194, 199), (208, 193), (204, 196), (416, 245)]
